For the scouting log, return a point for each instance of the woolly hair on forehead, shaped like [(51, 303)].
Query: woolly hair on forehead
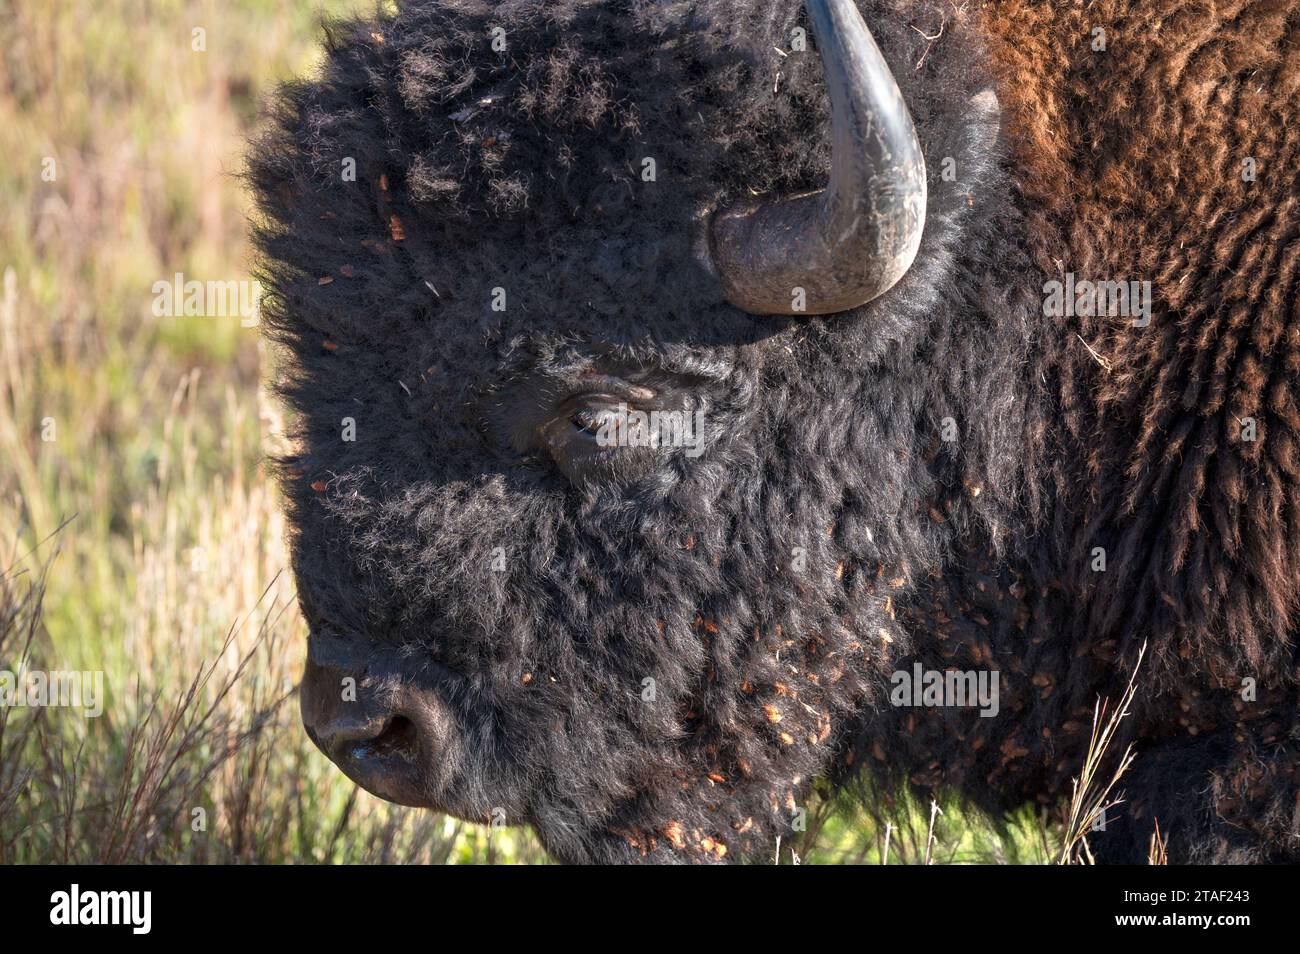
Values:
[(459, 140), (546, 121)]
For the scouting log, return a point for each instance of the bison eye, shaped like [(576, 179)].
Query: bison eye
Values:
[(599, 425), (602, 428), (600, 421), (597, 429)]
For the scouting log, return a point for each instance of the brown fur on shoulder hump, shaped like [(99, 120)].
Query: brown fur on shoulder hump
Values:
[(1130, 162)]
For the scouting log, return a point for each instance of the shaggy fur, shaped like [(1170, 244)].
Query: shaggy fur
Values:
[(828, 535)]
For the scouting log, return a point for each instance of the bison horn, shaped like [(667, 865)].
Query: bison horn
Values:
[(851, 241)]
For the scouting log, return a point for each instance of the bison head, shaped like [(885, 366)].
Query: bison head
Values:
[(620, 361)]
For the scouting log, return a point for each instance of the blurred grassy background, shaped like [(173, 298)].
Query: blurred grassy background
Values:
[(148, 434)]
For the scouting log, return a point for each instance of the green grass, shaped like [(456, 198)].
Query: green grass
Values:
[(169, 573)]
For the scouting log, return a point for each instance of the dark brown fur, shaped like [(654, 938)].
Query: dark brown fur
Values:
[(1128, 164)]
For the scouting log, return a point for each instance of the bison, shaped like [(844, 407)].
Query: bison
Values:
[(976, 329)]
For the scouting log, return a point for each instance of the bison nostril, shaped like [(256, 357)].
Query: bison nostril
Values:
[(398, 737), (394, 737)]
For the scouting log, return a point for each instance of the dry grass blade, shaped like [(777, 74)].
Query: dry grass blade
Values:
[(929, 834), (1156, 854), (1089, 797)]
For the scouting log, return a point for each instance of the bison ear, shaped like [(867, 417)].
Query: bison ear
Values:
[(839, 247)]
